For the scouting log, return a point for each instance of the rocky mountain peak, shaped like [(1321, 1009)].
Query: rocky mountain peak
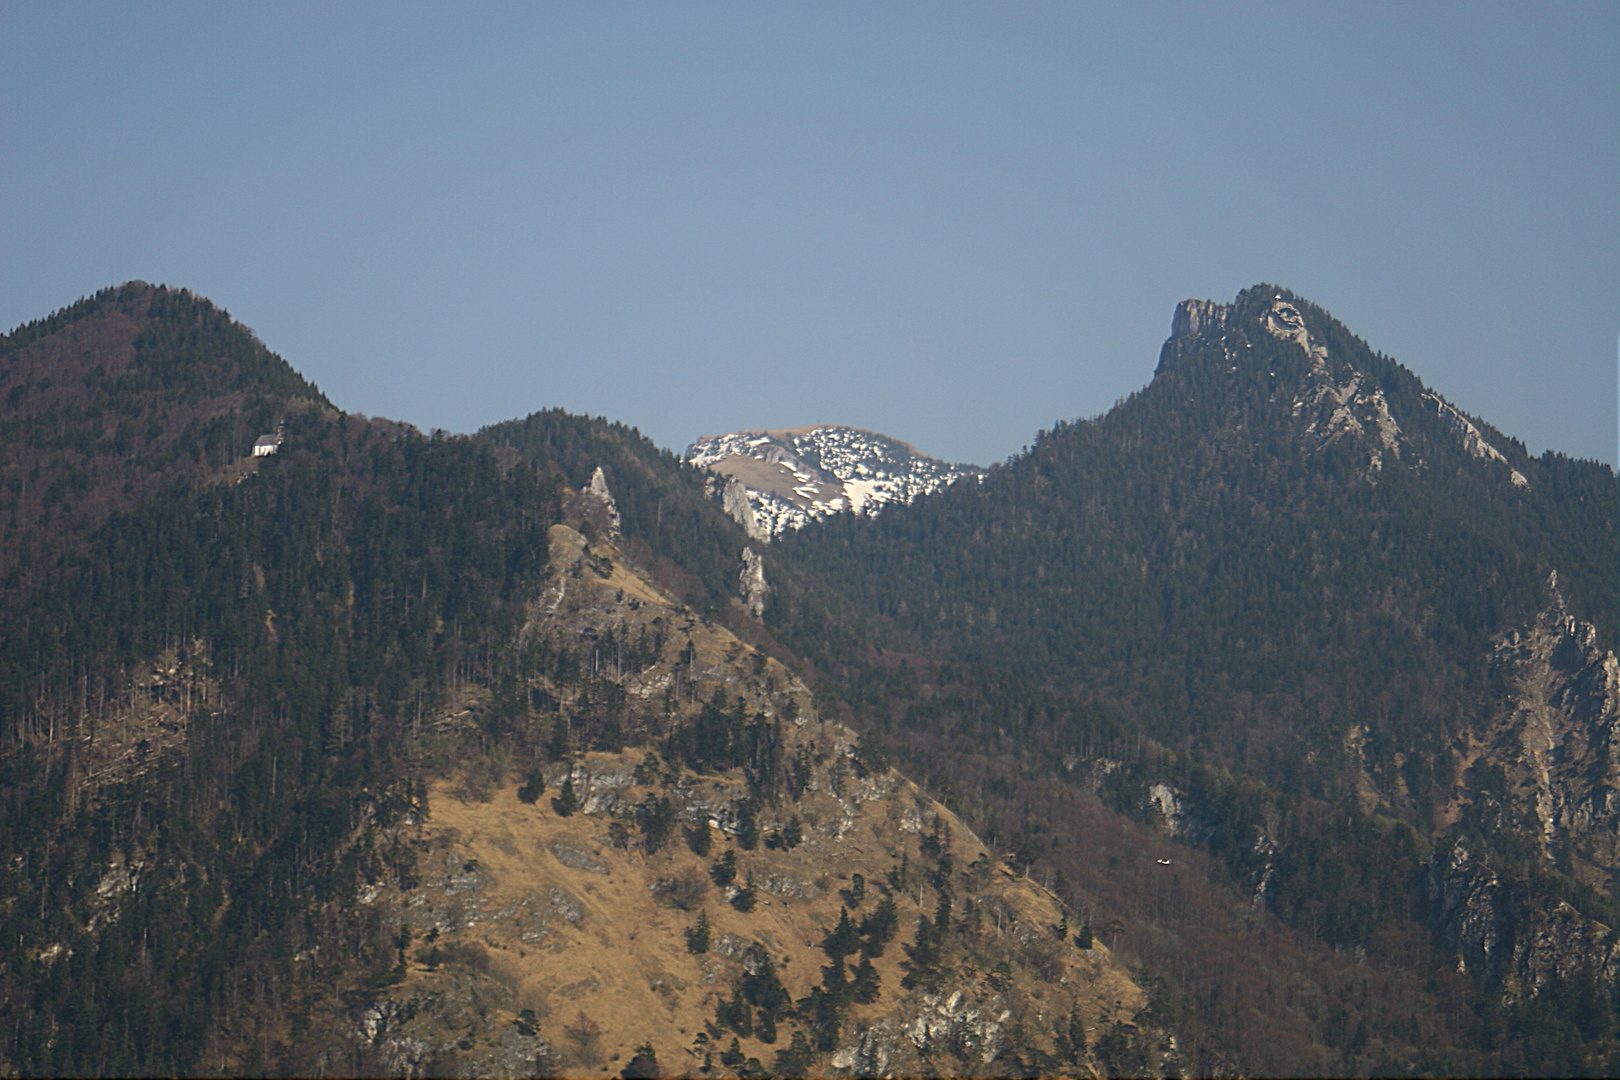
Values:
[(1194, 317), (1334, 402), (1195, 322), (1338, 395)]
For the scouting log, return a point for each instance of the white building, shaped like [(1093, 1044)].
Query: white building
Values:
[(267, 445)]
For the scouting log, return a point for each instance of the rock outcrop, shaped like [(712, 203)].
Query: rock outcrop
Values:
[(1336, 401), (751, 582), (1512, 932), (598, 489), (734, 498), (1473, 442), (556, 932), (1195, 324), (1340, 401), (1556, 740)]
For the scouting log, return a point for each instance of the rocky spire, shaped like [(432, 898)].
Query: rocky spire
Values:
[(736, 503), (599, 489), (751, 582)]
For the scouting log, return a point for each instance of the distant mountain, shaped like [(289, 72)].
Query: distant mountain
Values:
[(774, 481)]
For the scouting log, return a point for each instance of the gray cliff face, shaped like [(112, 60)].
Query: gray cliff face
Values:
[(1196, 323), (1545, 777), (751, 582), (734, 498), (1557, 741), (1512, 932)]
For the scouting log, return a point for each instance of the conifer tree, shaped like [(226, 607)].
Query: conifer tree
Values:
[(922, 959), (697, 937), (842, 939), (865, 985), (566, 801), (534, 785)]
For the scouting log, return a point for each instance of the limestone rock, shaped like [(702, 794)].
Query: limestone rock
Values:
[(1509, 930), (751, 582), (598, 489), (734, 498), (792, 477), (1557, 737), (1472, 440)]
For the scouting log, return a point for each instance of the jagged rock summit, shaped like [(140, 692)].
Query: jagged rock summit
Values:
[(771, 481), (1336, 401)]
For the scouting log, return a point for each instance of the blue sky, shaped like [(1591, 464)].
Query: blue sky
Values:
[(953, 224)]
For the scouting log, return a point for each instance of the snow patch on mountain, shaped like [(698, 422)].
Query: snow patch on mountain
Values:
[(795, 476)]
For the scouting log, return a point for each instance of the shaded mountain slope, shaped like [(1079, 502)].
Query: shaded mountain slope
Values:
[(273, 734), (110, 400)]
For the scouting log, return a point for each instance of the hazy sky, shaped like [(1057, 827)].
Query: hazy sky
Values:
[(952, 224)]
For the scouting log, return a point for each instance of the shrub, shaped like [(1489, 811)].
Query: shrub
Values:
[(684, 890), (586, 1035)]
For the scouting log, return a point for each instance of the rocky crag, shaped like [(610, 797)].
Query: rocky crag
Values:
[(1547, 764), (1335, 401), (1519, 875)]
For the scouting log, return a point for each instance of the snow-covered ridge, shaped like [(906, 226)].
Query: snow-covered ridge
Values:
[(795, 476)]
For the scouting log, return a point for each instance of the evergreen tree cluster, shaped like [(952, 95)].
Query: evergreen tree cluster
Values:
[(322, 605)]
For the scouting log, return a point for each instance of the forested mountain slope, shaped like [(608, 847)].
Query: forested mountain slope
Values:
[(1292, 608), (112, 399), (1283, 536), (682, 537), (218, 681)]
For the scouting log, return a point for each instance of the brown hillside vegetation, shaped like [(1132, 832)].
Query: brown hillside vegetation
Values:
[(525, 921), (537, 940)]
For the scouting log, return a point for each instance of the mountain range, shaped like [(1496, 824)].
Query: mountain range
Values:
[(1265, 724)]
